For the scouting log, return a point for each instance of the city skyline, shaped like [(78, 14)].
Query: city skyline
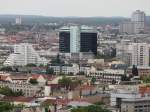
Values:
[(76, 8)]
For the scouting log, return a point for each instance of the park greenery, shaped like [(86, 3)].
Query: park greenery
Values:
[(134, 71), (6, 107), (31, 65), (68, 82), (33, 81), (6, 68), (146, 80), (125, 78), (91, 108), (49, 71), (65, 81), (10, 107), (93, 80), (8, 92)]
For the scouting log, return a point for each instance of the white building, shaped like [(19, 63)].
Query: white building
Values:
[(18, 20), (135, 25), (127, 27), (139, 54), (106, 75), (133, 53), (138, 17), (75, 39), (66, 68), (24, 54), (28, 89), (122, 51), (123, 92), (130, 98)]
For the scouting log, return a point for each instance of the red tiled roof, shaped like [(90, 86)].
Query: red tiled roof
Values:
[(35, 76), (85, 87), (18, 77), (3, 78), (18, 99), (58, 101), (47, 77)]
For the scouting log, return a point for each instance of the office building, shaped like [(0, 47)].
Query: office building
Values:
[(75, 39), (24, 54)]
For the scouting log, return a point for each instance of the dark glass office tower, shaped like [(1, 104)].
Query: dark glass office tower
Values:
[(83, 37), (88, 42), (64, 42)]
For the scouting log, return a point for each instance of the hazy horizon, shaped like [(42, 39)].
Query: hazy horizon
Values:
[(74, 8)]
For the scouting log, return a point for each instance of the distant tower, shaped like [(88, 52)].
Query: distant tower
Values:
[(138, 18), (18, 20)]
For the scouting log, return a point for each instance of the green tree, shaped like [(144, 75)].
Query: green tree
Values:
[(91, 108), (134, 71), (65, 81), (125, 78), (8, 92), (31, 65), (146, 80), (33, 81), (50, 71), (114, 81), (57, 60), (93, 80), (6, 107), (81, 73), (6, 68), (41, 65)]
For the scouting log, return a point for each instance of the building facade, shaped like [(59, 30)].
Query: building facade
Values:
[(140, 54), (75, 39), (136, 24), (127, 27), (107, 76), (138, 18), (24, 54), (71, 69), (134, 53), (28, 89)]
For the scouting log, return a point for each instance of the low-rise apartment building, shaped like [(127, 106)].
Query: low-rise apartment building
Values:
[(131, 98), (142, 71), (107, 75), (65, 68), (28, 89)]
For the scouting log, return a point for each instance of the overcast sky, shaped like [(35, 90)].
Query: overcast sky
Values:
[(74, 7)]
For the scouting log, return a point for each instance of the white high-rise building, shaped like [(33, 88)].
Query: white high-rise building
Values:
[(74, 39), (24, 54), (135, 25), (134, 53), (18, 20), (138, 17), (140, 54)]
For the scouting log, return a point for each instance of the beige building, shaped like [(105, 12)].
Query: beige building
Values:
[(28, 89), (142, 71), (135, 105)]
